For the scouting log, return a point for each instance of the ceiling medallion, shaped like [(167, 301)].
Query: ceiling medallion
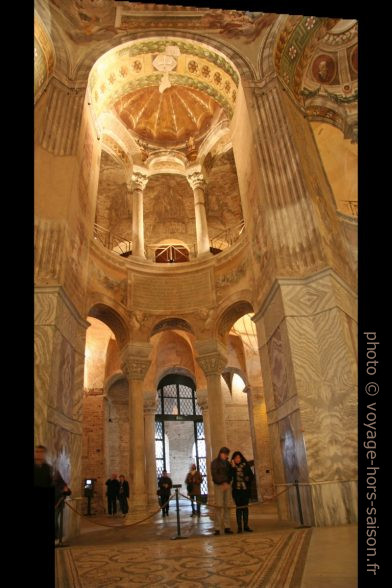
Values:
[(166, 62)]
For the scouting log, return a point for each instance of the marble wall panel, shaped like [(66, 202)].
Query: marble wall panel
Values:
[(279, 473), (277, 359), (43, 351), (335, 504), (267, 378)]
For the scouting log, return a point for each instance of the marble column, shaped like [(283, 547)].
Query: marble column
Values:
[(306, 333), (260, 440), (59, 350), (212, 360), (149, 442), (197, 183), (202, 400), (136, 186), (135, 364)]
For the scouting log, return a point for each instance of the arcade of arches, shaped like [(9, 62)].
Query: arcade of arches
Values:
[(196, 215)]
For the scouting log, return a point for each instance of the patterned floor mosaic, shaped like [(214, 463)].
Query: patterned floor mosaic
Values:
[(273, 560)]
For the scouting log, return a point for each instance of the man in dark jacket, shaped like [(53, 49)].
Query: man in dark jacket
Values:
[(123, 494), (43, 472), (221, 473), (113, 487)]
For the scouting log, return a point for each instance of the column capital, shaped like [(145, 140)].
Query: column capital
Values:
[(211, 356), (196, 180), (135, 360), (139, 179)]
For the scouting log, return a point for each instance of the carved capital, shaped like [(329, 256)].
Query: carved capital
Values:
[(135, 361), (196, 180), (138, 181), (212, 363), (135, 368)]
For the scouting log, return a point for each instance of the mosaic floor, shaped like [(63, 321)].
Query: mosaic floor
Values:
[(145, 555)]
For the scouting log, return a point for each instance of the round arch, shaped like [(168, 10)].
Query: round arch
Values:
[(171, 324), (113, 320), (231, 314)]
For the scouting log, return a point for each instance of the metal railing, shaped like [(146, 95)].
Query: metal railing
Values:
[(228, 236), (123, 246), (115, 243)]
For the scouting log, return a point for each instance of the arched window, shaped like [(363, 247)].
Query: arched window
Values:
[(177, 401)]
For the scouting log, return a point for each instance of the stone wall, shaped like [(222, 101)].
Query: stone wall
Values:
[(93, 444)]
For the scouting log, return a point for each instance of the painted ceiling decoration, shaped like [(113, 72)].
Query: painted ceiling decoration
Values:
[(172, 116), (86, 22), (164, 90), (317, 59)]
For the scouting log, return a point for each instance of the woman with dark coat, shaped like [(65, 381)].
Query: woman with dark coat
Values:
[(164, 484), (193, 483), (241, 484)]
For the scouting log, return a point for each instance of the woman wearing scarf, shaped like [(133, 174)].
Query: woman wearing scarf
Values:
[(241, 484)]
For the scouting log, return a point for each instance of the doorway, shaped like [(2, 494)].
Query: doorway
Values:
[(179, 430)]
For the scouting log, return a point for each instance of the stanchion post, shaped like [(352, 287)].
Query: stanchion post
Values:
[(178, 536), (301, 517)]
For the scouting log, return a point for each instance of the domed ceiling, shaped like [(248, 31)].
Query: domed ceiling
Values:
[(164, 90), (170, 116)]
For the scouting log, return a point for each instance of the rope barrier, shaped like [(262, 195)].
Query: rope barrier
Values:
[(316, 482), (216, 506), (123, 525)]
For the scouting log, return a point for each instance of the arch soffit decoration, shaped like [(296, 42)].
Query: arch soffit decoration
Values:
[(306, 53), (113, 320), (170, 324)]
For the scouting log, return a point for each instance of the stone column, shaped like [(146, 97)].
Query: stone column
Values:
[(260, 440), (212, 360), (202, 400), (136, 186), (149, 442), (135, 364), (197, 183)]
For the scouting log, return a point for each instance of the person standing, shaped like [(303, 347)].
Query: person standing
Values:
[(242, 481), (123, 494), (43, 472), (221, 473), (113, 486), (165, 485), (193, 483)]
